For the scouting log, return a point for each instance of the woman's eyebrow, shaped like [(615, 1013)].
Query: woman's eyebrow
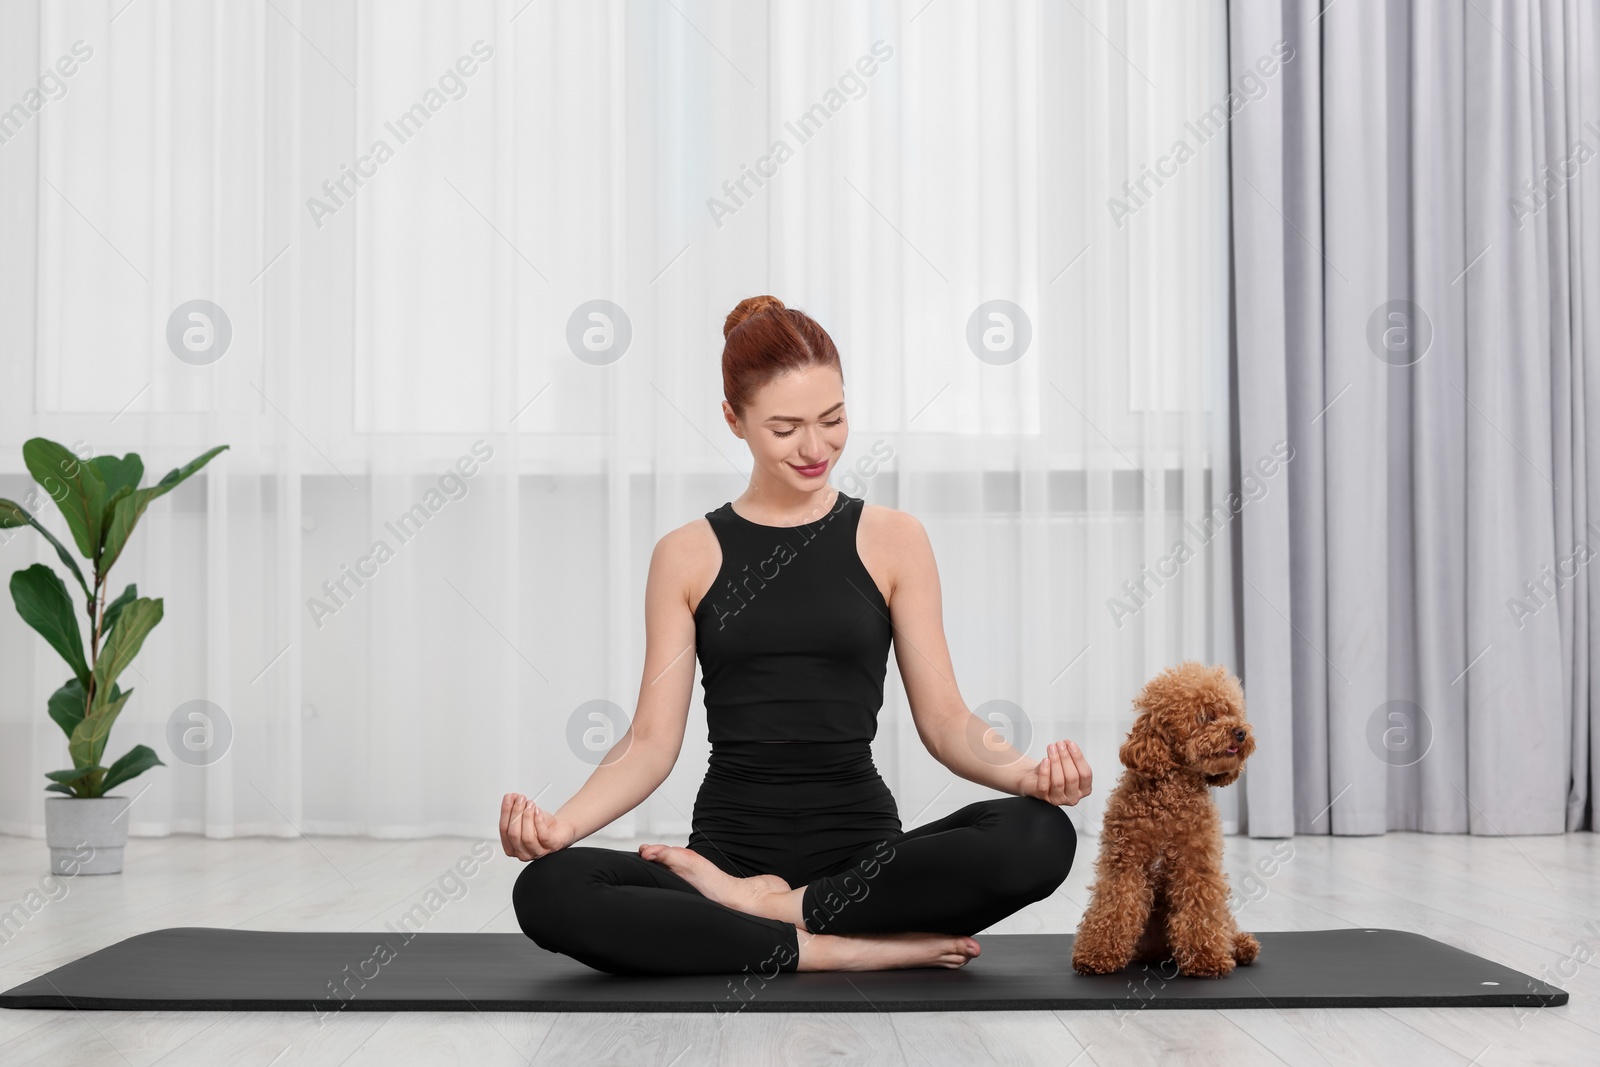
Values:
[(791, 418)]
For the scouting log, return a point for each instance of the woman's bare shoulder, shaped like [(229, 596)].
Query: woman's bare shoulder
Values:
[(689, 557), (892, 545), (891, 527)]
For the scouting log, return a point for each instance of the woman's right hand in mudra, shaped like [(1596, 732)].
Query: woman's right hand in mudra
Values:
[(527, 831)]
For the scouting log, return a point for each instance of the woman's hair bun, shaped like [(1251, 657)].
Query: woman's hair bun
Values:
[(751, 305)]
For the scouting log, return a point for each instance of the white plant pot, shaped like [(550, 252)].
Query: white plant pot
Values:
[(86, 834)]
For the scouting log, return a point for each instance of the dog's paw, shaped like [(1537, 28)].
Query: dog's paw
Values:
[(1206, 966), (1096, 963), (1245, 947)]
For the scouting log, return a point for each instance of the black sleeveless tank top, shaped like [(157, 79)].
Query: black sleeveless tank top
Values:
[(793, 636)]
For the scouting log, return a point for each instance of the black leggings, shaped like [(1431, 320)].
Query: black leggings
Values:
[(619, 912)]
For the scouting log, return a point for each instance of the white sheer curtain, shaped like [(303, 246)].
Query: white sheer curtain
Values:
[(537, 157)]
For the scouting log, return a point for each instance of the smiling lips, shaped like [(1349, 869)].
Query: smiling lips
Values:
[(812, 471)]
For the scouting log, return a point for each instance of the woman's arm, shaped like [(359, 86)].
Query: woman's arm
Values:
[(960, 740), (643, 757)]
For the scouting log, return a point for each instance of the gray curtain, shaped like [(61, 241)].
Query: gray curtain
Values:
[(1416, 294)]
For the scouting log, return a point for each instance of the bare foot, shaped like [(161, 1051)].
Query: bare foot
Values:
[(741, 894), (884, 952)]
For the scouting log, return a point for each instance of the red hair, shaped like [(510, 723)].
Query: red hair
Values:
[(764, 340)]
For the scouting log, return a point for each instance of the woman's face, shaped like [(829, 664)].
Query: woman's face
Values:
[(796, 420)]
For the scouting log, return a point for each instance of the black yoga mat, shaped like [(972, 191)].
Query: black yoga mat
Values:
[(198, 968)]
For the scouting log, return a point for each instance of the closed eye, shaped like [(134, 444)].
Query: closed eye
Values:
[(786, 433)]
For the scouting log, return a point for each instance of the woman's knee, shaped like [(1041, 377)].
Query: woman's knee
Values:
[(546, 893), (1042, 836)]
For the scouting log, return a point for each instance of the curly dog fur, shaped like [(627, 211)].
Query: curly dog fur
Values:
[(1160, 892)]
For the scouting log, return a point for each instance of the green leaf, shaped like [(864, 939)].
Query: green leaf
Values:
[(68, 777), (74, 484), (69, 704), (89, 739), (14, 514), (172, 478), (109, 621), (140, 758), (110, 510), (134, 622), (119, 473), (125, 515), (126, 511), (80, 781), (42, 601)]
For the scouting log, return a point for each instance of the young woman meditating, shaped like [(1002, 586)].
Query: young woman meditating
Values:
[(791, 596)]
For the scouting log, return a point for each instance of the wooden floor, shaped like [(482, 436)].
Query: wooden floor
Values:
[(1532, 903)]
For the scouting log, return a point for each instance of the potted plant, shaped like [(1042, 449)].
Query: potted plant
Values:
[(101, 501)]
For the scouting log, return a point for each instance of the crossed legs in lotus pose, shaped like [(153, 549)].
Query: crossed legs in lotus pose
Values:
[(913, 900)]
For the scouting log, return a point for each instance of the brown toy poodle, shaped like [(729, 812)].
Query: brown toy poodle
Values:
[(1160, 891)]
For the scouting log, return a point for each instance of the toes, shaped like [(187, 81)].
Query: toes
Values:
[(680, 860), (664, 854)]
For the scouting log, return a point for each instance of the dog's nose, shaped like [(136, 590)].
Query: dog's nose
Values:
[(1238, 735)]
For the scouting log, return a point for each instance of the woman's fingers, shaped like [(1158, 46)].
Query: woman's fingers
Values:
[(530, 831), (1041, 784), (1069, 774), (506, 803), (511, 825), (1065, 774), (544, 830), (1085, 775)]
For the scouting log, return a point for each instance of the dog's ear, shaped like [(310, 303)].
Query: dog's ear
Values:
[(1145, 751)]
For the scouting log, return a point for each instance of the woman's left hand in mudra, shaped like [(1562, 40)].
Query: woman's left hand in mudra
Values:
[(1062, 777)]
